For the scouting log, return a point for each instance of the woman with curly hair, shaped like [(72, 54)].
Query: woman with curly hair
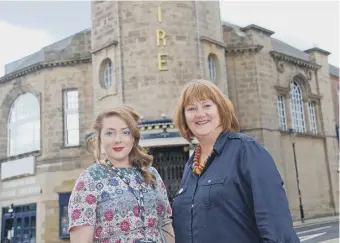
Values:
[(121, 198)]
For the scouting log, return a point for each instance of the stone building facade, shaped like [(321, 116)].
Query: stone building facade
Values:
[(36, 93), (335, 81), (275, 88), (141, 54)]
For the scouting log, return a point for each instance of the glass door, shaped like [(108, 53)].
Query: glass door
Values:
[(19, 227)]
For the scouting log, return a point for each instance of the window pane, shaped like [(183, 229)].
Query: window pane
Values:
[(71, 118), (108, 75), (24, 138), (212, 68), (72, 121), (297, 108), (73, 137), (72, 99), (64, 221), (24, 119), (312, 117), (281, 113)]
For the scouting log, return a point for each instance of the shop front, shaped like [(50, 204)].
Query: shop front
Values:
[(19, 224)]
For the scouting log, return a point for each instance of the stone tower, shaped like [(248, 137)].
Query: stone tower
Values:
[(151, 49)]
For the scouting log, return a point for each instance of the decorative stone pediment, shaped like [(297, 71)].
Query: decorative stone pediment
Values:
[(281, 58)]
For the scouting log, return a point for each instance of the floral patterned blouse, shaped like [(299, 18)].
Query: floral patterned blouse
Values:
[(100, 198)]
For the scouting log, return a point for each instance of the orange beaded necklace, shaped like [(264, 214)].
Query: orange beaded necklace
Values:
[(197, 168)]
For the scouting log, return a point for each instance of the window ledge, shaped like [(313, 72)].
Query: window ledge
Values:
[(64, 237), (70, 147), (304, 134), (20, 156)]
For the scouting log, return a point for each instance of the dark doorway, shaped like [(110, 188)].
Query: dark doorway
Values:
[(170, 162)]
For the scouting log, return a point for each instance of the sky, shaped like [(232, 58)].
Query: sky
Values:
[(27, 26)]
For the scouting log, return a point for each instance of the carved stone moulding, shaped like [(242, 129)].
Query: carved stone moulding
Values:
[(281, 59)]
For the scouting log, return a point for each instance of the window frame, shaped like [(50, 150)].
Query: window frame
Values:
[(212, 68), (70, 111), (108, 74), (297, 108), (63, 202), (12, 126), (313, 125), (281, 107)]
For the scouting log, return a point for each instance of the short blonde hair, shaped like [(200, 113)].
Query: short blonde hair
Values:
[(199, 90)]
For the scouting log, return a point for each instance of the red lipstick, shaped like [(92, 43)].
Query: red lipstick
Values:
[(118, 149)]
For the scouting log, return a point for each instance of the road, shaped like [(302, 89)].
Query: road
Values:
[(318, 233)]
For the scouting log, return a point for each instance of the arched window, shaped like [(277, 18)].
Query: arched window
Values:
[(298, 117), (106, 74), (212, 68), (24, 125)]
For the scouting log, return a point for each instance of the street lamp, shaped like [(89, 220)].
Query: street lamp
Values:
[(11, 210), (10, 232), (292, 135)]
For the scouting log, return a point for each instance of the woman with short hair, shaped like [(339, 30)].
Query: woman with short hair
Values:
[(231, 190)]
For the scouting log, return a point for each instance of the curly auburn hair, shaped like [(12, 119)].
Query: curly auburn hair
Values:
[(138, 156)]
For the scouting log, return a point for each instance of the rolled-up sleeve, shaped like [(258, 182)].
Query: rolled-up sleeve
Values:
[(267, 195)]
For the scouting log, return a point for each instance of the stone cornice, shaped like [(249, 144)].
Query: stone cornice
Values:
[(232, 48), (41, 65), (208, 39), (316, 49), (281, 90), (115, 42), (296, 61), (258, 28), (314, 97), (247, 48)]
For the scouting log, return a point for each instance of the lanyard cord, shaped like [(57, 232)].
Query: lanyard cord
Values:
[(140, 198)]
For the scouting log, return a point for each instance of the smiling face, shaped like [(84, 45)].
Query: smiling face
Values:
[(202, 118), (117, 140)]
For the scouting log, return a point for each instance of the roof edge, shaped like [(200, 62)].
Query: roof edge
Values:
[(258, 28), (42, 65), (317, 49)]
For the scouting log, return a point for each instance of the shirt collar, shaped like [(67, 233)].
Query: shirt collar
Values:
[(220, 142)]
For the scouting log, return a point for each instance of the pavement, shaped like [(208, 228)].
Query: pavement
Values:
[(321, 230), (309, 222)]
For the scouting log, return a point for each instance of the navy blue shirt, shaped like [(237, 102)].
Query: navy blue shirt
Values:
[(239, 198)]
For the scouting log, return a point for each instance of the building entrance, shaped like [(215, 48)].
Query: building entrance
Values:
[(170, 162), (19, 224)]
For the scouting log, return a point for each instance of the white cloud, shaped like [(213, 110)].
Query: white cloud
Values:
[(17, 42), (300, 24)]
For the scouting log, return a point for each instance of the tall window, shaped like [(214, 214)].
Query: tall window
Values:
[(281, 112), (312, 117), (298, 117), (212, 68), (71, 118), (24, 125), (108, 74), (63, 215)]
